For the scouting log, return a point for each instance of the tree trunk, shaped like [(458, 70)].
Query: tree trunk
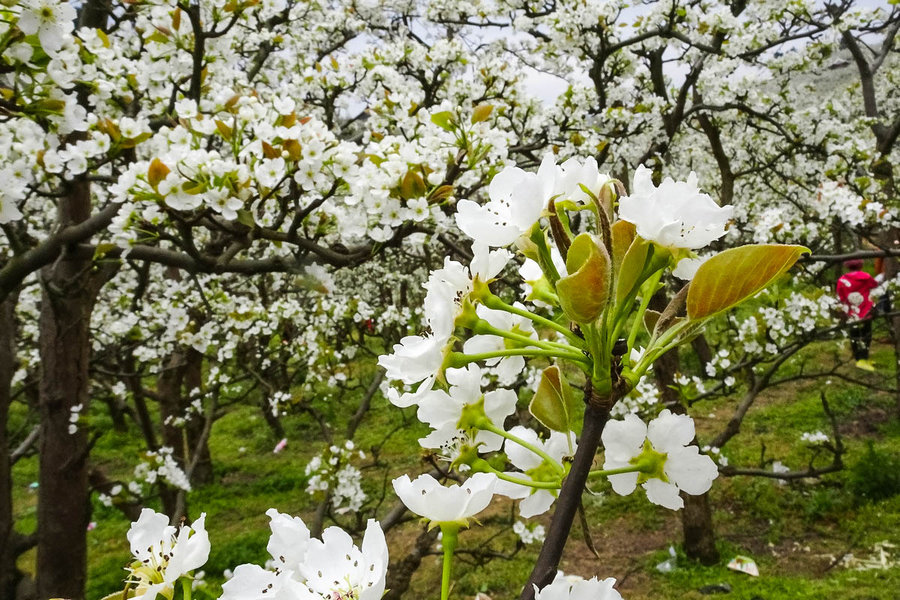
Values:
[(8, 572), (196, 443), (69, 290)]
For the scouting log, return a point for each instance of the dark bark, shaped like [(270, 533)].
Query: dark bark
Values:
[(69, 290), (141, 414), (699, 535), (272, 420), (890, 272), (596, 413), (117, 413), (197, 442), (401, 571), (9, 575), (168, 390)]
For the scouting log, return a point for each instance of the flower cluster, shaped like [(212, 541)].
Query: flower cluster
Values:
[(331, 472), (164, 554), (306, 568), (673, 463)]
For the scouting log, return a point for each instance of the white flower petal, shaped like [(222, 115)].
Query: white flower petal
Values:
[(664, 494)]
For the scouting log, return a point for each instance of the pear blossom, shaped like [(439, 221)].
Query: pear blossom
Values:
[(310, 569), (8, 210), (443, 410), (415, 358), (289, 540), (335, 567), (426, 497), (51, 20), (575, 173), (164, 553), (675, 214), (687, 267), (534, 501), (572, 587), (668, 439), (517, 199), (507, 368)]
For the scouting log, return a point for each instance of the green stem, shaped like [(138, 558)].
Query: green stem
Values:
[(485, 328), (608, 472), (449, 538), (459, 359), (498, 304), (650, 287), (538, 485), (658, 347), (186, 588), (488, 426)]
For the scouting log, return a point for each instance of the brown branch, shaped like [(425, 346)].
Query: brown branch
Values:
[(21, 266)]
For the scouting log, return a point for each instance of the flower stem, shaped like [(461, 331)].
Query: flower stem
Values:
[(488, 426), (488, 329), (186, 588), (498, 304), (449, 537), (459, 359), (485, 467), (608, 472), (645, 301)]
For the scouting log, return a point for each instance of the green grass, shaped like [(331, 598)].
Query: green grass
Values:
[(758, 517)]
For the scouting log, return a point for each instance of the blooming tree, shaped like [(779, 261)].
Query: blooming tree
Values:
[(160, 153), (593, 311)]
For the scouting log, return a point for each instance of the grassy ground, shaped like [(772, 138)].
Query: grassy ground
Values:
[(797, 532)]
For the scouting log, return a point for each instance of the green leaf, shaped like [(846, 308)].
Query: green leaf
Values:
[(445, 120), (481, 113), (553, 403), (245, 217), (583, 293), (622, 234), (412, 186), (735, 275), (631, 267), (102, 249)]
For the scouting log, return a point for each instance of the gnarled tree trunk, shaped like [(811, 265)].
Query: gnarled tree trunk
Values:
[(69, 291)]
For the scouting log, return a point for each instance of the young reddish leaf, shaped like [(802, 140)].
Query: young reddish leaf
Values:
[(293, 149), (553, 403), (481, 113), (622, 233), (412, 186), (224, 130), (441, 193), (156, 172), (270, 152), (732, 276), (583, 293)]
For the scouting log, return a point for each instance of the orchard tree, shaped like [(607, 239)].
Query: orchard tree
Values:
[(179, 172), (243, 138)]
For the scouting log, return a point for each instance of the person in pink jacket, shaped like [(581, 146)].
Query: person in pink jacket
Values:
[(853, 290)]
